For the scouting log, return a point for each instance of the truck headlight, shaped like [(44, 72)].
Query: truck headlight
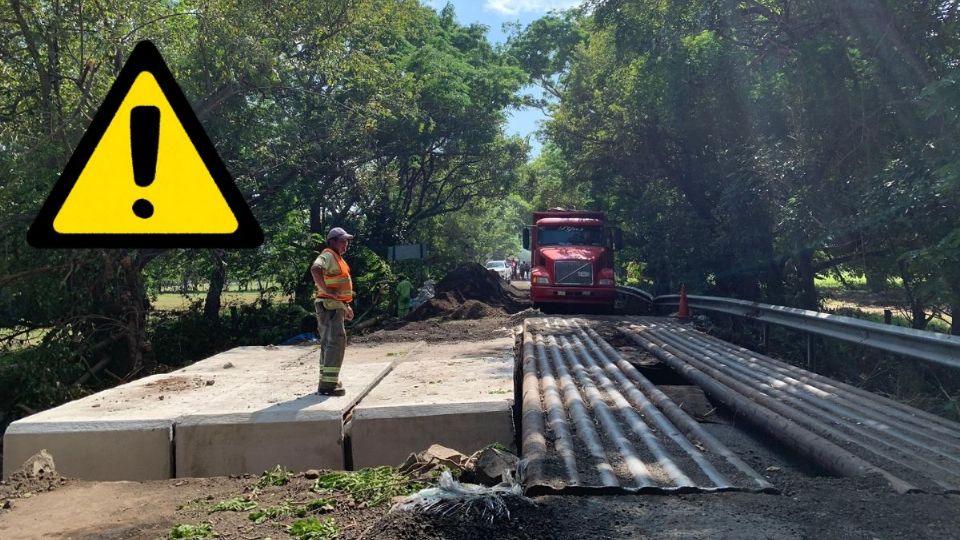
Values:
[(605, 281), (541, 280)]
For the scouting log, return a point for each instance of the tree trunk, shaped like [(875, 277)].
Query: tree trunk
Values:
[(218, 277), (955, 317), (808, 297), (134, 304), (316, 218), (303, 295), (918, 315), (122, 287), (774, 283)]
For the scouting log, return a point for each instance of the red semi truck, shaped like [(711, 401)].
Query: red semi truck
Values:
[(571, 258)]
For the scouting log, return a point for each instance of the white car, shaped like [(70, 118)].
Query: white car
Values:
[(500, 267)]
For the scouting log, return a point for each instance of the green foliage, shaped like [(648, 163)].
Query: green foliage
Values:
[(186, 531), (282, 510), (838, 280), (285, 509), (313, 529), (236, 504), (321, 505), (635, 274), (189, 336), (40, 376), (376, 116), (279, 476), (488, 230), (373, 486), (372, 282), (747, 148)]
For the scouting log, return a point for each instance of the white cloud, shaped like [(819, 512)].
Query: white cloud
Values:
[(516, 7)]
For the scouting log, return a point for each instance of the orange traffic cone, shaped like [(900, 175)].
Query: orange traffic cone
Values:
[(684, 312)]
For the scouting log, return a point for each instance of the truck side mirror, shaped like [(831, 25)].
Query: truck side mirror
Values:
[(617, 238), (526, 238)]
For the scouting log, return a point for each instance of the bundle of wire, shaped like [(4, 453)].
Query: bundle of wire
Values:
[(451, 497)]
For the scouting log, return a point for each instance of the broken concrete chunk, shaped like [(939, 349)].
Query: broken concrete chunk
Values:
[(39, 465), (448, 455), (430, 462), (488, 465)]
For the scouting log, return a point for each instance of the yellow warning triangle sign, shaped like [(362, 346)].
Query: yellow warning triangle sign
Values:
[(145, 174)]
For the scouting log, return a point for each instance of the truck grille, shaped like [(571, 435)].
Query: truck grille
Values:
[(573, 272)]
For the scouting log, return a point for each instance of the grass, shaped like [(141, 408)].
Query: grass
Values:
[(16, 338), (935, 325), (313, 529), (186, 531), (177, 301), (373, 486), (850, 281)]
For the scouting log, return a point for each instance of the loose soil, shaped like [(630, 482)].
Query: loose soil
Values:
[(810, 505), (470, 291), (471, 303), (437, 331)]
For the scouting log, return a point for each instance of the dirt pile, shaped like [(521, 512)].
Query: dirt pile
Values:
[(37, 475), (453, 306), (470, 291)]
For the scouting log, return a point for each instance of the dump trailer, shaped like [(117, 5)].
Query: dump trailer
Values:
[(571, 258)]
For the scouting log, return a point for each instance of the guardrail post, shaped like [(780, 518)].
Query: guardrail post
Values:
[(810, 352), (887, 316), (765, 336)]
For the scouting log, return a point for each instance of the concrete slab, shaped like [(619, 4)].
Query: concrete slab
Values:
[(458, 395), (257, 427), (373, 353), (135, 450), (126, 433), (251, 408)]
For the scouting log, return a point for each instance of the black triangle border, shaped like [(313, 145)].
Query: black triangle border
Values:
[(145, 57)]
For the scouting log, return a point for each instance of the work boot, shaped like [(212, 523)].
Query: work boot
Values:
[(337, 390)]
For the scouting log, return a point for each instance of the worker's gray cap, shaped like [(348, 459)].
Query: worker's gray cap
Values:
[(338, 232)]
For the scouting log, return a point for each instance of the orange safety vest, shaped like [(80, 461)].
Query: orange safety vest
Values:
[(337, 286)]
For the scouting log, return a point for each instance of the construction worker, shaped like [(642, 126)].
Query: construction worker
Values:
[(403, 296), (331, 274)]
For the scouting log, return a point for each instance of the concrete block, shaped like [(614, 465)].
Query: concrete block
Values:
[(463, 403), (131, 450), (257, 427), (126, 433)]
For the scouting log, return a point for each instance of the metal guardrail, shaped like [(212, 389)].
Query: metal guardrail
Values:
[(636, 293), (940, 348)]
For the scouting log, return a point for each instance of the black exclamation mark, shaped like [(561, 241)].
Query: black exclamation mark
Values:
[(144, 140)]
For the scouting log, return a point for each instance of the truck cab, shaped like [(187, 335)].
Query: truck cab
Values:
[(572, 258)]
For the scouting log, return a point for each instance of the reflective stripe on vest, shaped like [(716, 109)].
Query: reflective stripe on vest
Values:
[(337, 286)]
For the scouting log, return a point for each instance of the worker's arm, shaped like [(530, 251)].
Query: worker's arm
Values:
[(316, 270)]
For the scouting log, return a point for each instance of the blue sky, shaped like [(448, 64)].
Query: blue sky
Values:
[(493, 14)]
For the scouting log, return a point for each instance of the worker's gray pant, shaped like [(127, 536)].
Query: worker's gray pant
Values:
[(333, 342)]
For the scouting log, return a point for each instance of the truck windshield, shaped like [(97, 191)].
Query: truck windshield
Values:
[(571, 236)]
